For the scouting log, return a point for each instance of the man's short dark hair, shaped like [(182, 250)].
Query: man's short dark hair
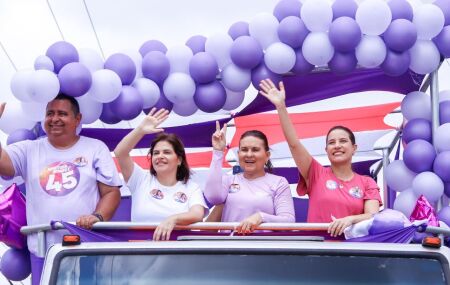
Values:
[(73, 102)]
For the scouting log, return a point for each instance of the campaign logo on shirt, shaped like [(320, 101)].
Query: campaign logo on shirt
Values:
[(157, 194), (180, 197), (59, 178), (331, 185), (80, 161), (234, 188), (355, 192)]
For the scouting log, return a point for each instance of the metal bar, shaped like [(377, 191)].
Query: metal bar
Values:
[(385, 163), (196, 226), (9, 57), (390, 148), (93, 28), (41, 243), (54, 19), (438, 230)]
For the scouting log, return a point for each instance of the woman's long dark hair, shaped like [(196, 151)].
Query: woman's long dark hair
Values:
[(183, 170), (260, 135)]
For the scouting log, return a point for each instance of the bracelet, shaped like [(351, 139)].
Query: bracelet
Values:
[(99, 216)]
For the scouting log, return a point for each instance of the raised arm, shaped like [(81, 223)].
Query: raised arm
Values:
[(277, 97), (214, 191), (6, 166), (148, 126)]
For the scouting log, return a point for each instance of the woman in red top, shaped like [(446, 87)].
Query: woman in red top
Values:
[(337, 195)]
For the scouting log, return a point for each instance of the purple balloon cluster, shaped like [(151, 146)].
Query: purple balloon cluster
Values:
[(425, 168), (207, 73)]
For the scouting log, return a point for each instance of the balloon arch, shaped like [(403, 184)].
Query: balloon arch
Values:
[(212, 74)]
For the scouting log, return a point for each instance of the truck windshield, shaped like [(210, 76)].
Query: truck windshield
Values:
[(225, 269)]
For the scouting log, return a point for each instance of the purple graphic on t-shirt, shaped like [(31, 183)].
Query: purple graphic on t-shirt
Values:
[(59, 178)]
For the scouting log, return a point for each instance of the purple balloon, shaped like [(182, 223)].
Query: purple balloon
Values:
[(447, 189), (152, 45), (292, 31), (155, 66), (20, 135), (396, 64), (400, 35), (196, 43), (444, 215), (108, 116), (444, 112), (62, 53), (15, 264), (400, 9), (163, 103), (442, 41), (445, 7), (238, 29), (75, 79), (342, 63), (210, 97), (417, 129), (246, 52), (344, 8), (345, 34), (286, 8), (419, 156), (262, 72), (301, 66), (123, 65), (129, 104), (441, 166), (203, 68)]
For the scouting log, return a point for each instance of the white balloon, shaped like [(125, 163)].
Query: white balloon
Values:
[(106, 86), (35, 110), (179, 87), (91, 59), (279, 58), (14, 118), (425, 57), (373, 17), (428, 184), (43, 62), (179, 58), (317, 48), (149, 91), (429, 21), (20, 84), (264, 28), (219, 46), (416, 105), (405, 202), (236, 78), (317, 15), (44, 86), (371, 51), (442, 138), (90, 109)]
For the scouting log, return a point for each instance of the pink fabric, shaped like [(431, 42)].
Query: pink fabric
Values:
[(330, 196), (269, 195), (424, 211)]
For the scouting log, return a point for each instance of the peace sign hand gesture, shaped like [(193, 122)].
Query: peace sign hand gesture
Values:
[(150, 123), (276, 96), (219, 137)]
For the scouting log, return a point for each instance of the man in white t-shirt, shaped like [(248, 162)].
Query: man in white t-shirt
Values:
[(67, 176)]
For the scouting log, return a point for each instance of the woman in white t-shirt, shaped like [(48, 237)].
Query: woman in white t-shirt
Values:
[(164, 194)]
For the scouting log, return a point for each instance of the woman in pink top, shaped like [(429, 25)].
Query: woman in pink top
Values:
[(337, 195), (253, 196)]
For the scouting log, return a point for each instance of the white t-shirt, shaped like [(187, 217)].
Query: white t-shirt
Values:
[(152, 202), (61, 183)]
